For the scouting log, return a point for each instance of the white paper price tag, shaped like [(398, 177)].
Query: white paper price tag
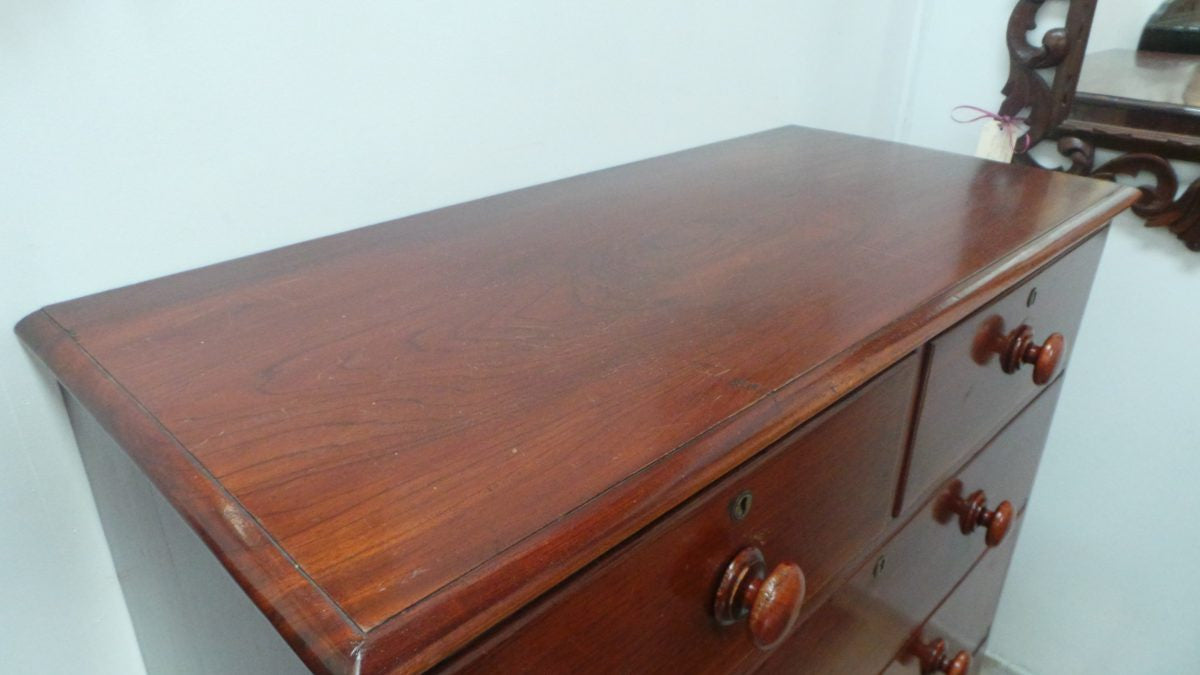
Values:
[(995, 142)]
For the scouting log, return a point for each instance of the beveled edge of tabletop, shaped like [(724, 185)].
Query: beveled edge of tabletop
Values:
[(315, 627), (418, 638)]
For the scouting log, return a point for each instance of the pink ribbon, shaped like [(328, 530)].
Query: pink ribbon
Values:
[(1008, 122)]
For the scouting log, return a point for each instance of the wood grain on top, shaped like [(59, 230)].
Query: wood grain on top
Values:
[(437, 417)]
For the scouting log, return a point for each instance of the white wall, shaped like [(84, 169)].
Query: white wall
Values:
[(140, 139), (1103, 580)]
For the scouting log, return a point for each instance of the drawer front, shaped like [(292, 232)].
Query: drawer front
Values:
[(968, 395), (962, 623), (965, 618), (817, 498), (870, 619)]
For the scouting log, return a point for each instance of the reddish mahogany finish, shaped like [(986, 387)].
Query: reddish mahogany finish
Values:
[(965, 617), (1018, 347), (869, 620), (967, 397), (973, 512), (819, 499), (772, 603), (397, 436), (933, 657)]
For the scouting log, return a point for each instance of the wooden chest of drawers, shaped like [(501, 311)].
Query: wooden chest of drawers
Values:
[(774, 403)]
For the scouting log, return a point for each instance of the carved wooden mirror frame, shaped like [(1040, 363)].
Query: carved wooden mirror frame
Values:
[(1046, 105)]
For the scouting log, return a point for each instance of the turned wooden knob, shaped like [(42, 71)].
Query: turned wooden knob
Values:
[(1018, 348), (973, 512), (771, 602), (933, 658)]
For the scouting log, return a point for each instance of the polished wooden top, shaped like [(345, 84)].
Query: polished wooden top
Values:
[(395, 436)]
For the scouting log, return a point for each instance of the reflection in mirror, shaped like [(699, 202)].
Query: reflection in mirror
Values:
[(1174, 28), (1145, 104)]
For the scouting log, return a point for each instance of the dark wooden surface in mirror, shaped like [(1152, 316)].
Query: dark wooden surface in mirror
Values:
[(1174, 27), (1138, 100)]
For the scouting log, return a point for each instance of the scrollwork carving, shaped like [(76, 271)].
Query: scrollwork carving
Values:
[(1025, 89), (1080, 152), (1182, 217), (1046, 104), (1155, 199), (1054, 42), (1157, 204)]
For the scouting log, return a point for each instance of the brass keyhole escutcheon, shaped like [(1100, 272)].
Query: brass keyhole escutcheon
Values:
[(739, 508)]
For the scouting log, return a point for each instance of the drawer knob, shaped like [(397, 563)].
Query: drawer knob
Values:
[(771, 602), (933, 658), (1019, 348), (973, 512)]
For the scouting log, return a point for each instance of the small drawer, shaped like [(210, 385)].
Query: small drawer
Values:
[(808, 505), (985, 369), (867, 621), (952, 637)]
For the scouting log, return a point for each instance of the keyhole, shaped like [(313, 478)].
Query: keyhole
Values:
[(1032, 297), (740, 506)]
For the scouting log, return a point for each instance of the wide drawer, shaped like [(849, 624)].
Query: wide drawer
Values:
[(867, 621), (817, 498), (968, 394)]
